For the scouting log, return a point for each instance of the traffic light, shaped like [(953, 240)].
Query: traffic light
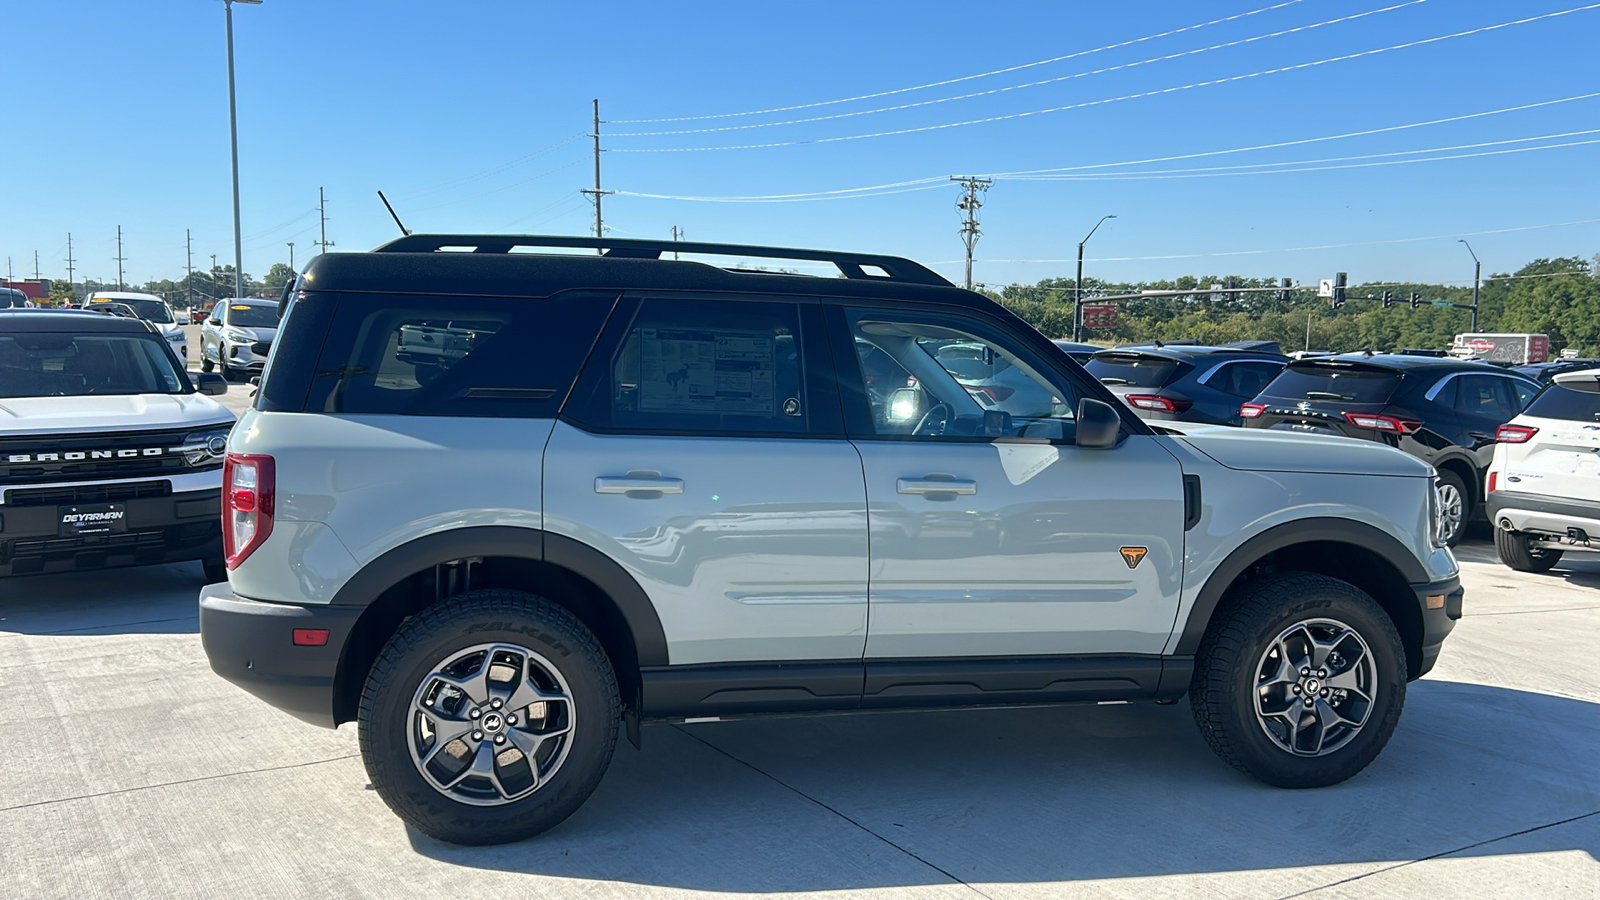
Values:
[(1340, 281), (1388, 299), (1416, 299), (1283, 294)]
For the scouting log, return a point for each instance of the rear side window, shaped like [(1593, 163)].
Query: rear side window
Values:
[(1243, 379), (1346, 382), (1577, 401), (452, 356), (1135, 369)]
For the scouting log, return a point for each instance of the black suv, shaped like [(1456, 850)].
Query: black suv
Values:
[(1187, 383), (1444, 411)]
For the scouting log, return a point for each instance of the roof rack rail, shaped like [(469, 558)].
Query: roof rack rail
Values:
[(850, 265)]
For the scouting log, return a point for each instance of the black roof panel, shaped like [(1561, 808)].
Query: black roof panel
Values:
[(69, 320)]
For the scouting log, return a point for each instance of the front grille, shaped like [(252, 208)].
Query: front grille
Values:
[(109, 543), (94, 493), (99, 456)]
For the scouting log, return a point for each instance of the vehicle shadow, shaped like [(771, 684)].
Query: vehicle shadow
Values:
[(133, 600), (1058, 794), (1577, 568)]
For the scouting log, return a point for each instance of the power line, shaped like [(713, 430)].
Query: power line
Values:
[(1015, 87), (934, 84), (1135, 96), (800, 198), (281, 225), (494, 170), (499, 189)]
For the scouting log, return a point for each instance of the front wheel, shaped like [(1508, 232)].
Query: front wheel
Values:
[(489, 718), (205, 363), (1454, 507), (1518, 551), (1300, 681)]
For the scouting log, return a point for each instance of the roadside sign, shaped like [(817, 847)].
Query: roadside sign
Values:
[(1445, 303), (1325, 287), (1100, 315)]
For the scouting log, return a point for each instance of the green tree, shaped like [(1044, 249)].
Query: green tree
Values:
[(279, 275)]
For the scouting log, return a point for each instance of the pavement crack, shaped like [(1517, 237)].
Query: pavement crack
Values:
[(780, 782), (148, 787), (1524, 612), (1443, 854)]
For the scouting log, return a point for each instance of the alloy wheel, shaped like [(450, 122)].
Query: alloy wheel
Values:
[(1314, 687)]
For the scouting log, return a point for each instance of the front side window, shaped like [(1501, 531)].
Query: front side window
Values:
[(1485, 396), (949, 377), (57, 364)]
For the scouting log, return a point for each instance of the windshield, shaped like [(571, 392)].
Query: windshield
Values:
[(252, 316), (1348, 382), (1132, 369), (149, 310), (1577, 401), (53, 364)]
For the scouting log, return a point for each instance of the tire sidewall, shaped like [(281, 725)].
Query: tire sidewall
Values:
[(426, 642)]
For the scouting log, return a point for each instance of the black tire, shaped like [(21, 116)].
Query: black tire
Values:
[(431, 637), (1453, 535), (205, 364), (1516, 551), (1223, 692), (215, 570)]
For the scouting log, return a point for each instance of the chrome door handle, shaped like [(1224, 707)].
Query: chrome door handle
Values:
[(613, 485), (932, 486)]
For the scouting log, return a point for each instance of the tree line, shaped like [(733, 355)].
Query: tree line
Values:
[(1559, 297)]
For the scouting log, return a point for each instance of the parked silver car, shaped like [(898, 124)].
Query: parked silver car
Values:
[(237, 336)]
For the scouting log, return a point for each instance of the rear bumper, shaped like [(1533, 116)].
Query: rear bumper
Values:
[(251, 644), (1542, 513), (174, 528), (1440, 602)]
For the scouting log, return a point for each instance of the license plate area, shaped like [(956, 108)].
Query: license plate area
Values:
[(91, 518)]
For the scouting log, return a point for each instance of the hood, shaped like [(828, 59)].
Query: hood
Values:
[(1264, 450), (21, 416), (170, 329), (264, 335)]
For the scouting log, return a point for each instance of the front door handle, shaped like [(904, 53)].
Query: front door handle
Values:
[(935, 486), (628, 484)]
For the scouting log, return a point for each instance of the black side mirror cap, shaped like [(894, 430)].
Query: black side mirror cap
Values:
[(211, 383), (1099, 426)]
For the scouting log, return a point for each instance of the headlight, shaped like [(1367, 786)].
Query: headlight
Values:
[(176, 337), (207, 447), (237, 336), (1436, 514)]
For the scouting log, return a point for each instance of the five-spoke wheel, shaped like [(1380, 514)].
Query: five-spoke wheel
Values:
[(1314, 687)]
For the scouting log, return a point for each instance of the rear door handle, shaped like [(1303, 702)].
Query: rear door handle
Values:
[(614, 485), (933, 486)]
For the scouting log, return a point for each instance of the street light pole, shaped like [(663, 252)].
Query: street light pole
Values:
[(1477, 277), (233, 134), (1077, 287)]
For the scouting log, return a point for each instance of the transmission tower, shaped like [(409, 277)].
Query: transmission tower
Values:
[(968, 205)]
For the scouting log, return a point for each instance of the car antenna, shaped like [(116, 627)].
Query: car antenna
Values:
[(403, 229), (1158, 343)]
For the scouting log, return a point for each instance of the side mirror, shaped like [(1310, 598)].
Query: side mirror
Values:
[(1098, 424), (211, 383), (905, 405)]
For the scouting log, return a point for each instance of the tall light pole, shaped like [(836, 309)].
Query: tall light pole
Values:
[(233, 134), (1477, 276), (1077, 289), (291, 255)]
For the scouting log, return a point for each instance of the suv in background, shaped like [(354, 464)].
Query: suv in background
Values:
[(686, 503), (1544, 484), (1186, 383), (1443, 411), (150, 308), (109, 456), (1544, 372), (237, 335)]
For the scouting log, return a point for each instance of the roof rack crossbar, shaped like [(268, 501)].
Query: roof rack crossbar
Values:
[(850, 265)]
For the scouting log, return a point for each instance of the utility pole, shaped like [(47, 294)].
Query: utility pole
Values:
[(216, 293), (291, 254), (322, 210), (69, 260), (1477, 276), (35, 265), (969, 204), (1077, 286), (677, 235), (233, 135), (599, 226), (120, 260), (188, 267)]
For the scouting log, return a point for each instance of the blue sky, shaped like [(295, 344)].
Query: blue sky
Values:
[(458, 111)]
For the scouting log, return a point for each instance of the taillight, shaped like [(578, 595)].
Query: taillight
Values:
[(1514, 434), (1494, 482), (1383, 423), (248, 483), (1251, 411), (1160, 404)]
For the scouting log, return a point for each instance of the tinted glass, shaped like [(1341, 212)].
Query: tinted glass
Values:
[(1576, 401), (1134, 369), (44, 364), (1485, 396), (1523, 392), (452, 356), (149, 310), (948, 377), (1332, 381), (249, 315), (1243, 379), (708, 366)]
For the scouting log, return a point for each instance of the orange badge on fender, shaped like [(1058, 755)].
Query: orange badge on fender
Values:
[(1132, 555)]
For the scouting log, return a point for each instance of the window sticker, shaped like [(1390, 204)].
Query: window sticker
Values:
[(694, 370)]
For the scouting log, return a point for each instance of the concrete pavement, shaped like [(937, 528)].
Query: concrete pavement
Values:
[(132, 771)]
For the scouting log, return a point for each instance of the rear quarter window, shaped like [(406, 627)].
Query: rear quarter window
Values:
[(440, 356), (1575, 401), (1349, 383)]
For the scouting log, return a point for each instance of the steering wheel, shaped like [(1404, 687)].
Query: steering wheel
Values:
[(929, 425)]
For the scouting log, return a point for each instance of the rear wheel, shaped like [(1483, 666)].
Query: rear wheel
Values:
[(489, 718), (1454, 507), (1517, 550), (1300, 681)]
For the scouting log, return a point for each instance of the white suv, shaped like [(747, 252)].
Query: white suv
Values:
[(1544, 484), (495, 506)]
